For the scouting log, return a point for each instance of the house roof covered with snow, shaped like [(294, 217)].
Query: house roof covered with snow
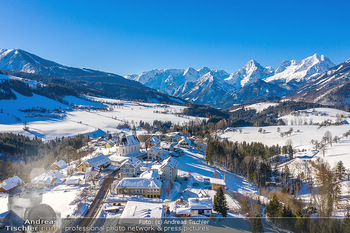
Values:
[(166, 145), (133, 161), (217, 181), (200, 203), (153, 139), (48, 178), (136, 209), (151, 173), (129, 140), (111, 143), (171, 162), (163, 156), (73, 181), (97, 161), (156, 149), (61, 164), (185, 140), (172, 134), (138, 182), (11, 183), (183, 210)]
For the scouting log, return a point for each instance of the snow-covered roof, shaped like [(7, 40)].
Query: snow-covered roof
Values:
[(156, 149), (171, 162), (185, 140), (166, 145), (61, 164), (58, 181), (172, 134), (138, 182), (11, 183), (163, 156), (153, 139), (73, 181), (151, 173), (136, 209), (133, 161), (48, 178), (200, 203), (97, 161), (217, 181), (129, 140), (111, 143), (183, 210), (115, 140)]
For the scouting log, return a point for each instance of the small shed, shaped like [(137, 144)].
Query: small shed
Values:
[(217, 183), (59, 165)]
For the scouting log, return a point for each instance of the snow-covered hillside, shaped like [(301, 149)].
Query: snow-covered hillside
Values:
[(48, 119)]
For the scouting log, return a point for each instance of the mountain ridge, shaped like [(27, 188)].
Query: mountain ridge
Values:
[(289, 76), (111, 85)]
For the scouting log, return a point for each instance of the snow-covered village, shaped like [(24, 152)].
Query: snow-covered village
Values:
[(131, 166), (172, 116)]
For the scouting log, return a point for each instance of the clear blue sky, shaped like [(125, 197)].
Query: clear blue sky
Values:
[(131, 36)]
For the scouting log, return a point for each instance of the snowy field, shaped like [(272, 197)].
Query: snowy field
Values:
[(61, 120), (259, 107), (302, 135), (195, 164)]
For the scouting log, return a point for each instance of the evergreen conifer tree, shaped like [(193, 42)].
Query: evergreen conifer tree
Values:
[(220, 204), (274, 208)]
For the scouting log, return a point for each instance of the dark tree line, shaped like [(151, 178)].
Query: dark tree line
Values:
[(246, 159), (25, 153)]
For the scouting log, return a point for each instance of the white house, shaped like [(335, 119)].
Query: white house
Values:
[(167, 146), (184, 143), (128, 145), (200, 206), (154, 151), (168, 169), (130, 168)]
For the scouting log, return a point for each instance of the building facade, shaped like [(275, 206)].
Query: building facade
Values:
[(168, 169), (151, 188)]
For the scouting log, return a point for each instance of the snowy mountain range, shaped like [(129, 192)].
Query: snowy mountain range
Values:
[(217, 87), (331, 87), (313, 79)]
